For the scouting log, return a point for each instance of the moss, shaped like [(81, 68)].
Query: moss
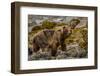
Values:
[(35, 28), (47, 24), (79, 36)]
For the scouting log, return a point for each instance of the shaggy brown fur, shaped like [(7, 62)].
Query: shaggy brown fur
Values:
[(50, 39)]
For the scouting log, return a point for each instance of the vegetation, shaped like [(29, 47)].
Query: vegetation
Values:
[(84, 33), (48, 25), (35, 28)]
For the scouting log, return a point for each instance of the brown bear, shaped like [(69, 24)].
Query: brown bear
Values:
[(49, 39)]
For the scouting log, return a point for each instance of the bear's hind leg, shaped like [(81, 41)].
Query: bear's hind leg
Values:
[(53, 52), (63, 47)]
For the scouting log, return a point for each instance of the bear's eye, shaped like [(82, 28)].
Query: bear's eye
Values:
[(65, 30), (59, 30)]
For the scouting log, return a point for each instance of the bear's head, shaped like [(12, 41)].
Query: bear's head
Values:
[(65, 32)]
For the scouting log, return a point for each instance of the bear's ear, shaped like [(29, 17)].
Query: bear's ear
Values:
[(64, 27), (59, 30), (65, 30)]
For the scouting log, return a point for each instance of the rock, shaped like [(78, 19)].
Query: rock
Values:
[(73, 51), (76, 51)]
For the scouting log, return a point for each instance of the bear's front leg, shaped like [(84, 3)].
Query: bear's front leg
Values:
[(53, 52), (63, 47), (54, 49)]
